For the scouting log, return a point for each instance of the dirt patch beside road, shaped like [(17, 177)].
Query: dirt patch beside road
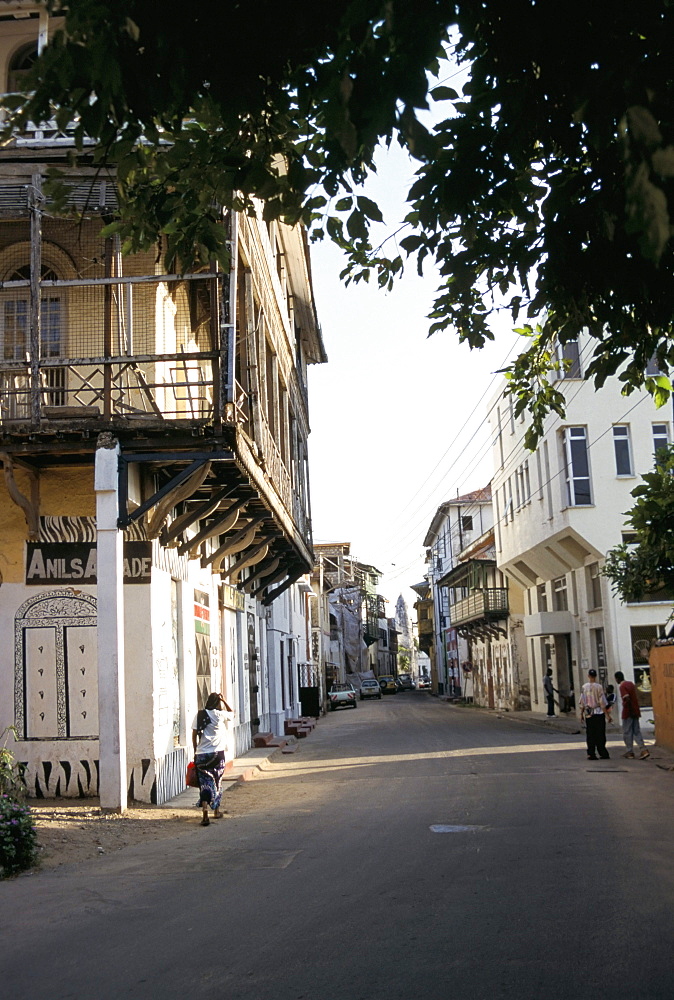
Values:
[(73, 830)]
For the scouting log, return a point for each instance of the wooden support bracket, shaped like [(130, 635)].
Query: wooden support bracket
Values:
[(30, 508), (225, 522), (293, 577), (250, 558), (203, 510), (181, 492), (267, 568), (241, 540)]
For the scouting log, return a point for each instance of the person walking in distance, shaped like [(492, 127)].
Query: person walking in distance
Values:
[(631, 713), (549, 693), (594, 709), (209, 739)]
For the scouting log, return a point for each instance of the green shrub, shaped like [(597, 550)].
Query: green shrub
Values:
[(12, 782), (18, 838)]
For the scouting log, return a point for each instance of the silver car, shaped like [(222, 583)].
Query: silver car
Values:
[(369, 688)]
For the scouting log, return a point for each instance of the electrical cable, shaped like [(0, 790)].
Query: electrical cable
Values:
[(515, 450)]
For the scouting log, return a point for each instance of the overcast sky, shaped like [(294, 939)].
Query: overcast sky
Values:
[(390, 406)]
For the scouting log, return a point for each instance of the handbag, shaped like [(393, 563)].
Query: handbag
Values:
[(191, 777)]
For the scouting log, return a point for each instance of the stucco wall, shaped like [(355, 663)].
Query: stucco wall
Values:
[(63, 491)]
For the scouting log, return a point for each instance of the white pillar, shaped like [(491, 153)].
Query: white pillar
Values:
[(110, 573)]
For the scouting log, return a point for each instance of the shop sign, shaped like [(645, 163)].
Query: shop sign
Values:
[(202, 614), (76, 562), (233, 598)]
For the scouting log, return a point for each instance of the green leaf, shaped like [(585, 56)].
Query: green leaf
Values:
[(443, 94), (369, 208)]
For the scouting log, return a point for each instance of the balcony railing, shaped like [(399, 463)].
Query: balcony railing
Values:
[(491, 602), (48, 134), (109, 348), (90, 340)]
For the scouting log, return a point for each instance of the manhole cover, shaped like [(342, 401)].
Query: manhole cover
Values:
[(452, 828)]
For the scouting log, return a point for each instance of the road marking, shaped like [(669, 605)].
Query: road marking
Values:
[(448, 828)]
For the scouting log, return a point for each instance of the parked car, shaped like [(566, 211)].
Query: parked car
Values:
[(369, 689), (405, 682), (342, 696), (424, 683), (387, 684)]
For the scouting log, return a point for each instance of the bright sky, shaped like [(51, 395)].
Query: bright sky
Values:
[(398, 419)]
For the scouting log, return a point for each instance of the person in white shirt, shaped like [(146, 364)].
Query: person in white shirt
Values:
[(209, 739), (594, 709)]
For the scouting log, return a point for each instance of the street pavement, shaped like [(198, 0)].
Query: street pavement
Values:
[(409, 849)]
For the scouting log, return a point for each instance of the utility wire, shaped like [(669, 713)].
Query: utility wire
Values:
[(515, 451)]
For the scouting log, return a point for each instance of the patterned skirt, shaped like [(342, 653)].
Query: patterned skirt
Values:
[(210, 768)]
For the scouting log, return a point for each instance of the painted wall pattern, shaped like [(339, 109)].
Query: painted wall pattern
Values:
[(55, 667), (46, 779), (160, 780), (81, 529)]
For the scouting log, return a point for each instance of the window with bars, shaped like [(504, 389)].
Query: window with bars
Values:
[(594, 586), (653, 366), (577, 467), (20, 66), (560, 594), (568, 358), (16, 315), (660, 436), (623, 450), (15, 330), (598, 650)]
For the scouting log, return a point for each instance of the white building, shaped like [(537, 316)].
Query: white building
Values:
[(558, 511), (455, 525)]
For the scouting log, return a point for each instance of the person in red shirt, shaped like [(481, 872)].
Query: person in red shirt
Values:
[(631, 714)]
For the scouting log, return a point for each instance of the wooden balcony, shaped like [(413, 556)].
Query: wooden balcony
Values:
[(425, 626), (486, 604), (91, 342)]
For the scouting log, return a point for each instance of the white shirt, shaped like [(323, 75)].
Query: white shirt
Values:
[(214, 736), (593, 698)]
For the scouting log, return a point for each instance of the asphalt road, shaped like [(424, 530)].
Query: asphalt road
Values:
[(408, 850)]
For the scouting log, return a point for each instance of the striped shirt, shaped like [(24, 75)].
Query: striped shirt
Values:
[(593, 698)]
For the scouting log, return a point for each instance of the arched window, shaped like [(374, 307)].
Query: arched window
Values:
[(15, 332), (20, 66), (16, 319)]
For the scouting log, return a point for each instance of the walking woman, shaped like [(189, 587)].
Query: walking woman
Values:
[(209, 738)]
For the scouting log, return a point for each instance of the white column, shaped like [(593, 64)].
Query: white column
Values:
[(110, 572)]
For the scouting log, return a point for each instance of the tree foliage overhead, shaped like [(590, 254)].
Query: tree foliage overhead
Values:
[(547, 184)]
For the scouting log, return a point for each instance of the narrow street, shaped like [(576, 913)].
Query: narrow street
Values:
[(407, 850)]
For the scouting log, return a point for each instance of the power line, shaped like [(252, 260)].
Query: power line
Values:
[(459, 433), (516, 449)]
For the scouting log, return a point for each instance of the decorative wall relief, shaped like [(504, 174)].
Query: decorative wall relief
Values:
[(55, 667), (160, 780), (47, 779)]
